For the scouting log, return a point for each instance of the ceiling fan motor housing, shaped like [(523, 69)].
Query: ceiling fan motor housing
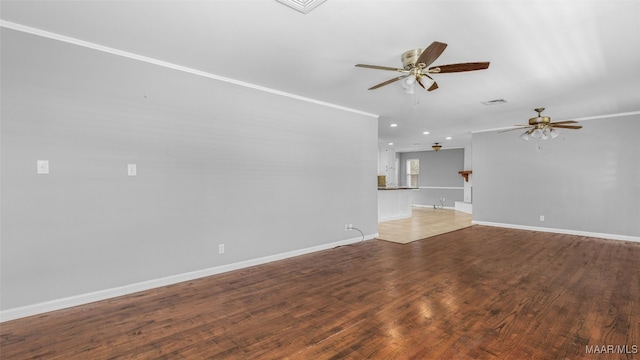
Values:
[(410, 57), (540, 120)]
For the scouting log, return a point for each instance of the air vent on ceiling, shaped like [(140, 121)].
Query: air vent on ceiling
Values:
[(494, 102), (304, 6)]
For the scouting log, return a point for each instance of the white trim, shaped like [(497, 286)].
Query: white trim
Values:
[(394, 218), (430, 206), (126, 54), (607, 116), (414, 150), (441, 187), (58, 304), (464, 207), (560, 231)]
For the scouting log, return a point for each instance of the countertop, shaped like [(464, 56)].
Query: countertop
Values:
[(397, 188)]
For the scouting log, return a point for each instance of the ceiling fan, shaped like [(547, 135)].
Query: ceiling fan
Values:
[(415, 67), (541, 127)]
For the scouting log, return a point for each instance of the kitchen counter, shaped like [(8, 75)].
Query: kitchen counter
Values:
[(397, 188), (394, 205)]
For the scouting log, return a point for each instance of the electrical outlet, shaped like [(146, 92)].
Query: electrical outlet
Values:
[(541, 217), (348, 227), (42, 167), (132, 170), (221, 249)]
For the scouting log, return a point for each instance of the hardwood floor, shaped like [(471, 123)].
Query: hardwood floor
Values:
[(424, 223), (475, 293)]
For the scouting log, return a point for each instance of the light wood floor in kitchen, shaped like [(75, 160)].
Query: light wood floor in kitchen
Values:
[(425, 222)]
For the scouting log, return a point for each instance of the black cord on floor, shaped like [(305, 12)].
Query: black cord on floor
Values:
[(352, 228), (359, 242)]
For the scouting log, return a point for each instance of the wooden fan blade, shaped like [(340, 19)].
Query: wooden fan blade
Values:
[(451, 68), (430, 78), (564, 122), (568, 126), (431, 53), (388, 82), (380, 67), (432, 87)]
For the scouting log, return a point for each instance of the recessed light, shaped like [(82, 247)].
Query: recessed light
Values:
[(394, 125), (448, 138), (390, 143), (425, 133)]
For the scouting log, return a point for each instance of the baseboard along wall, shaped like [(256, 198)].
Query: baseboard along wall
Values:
[(71, 301), (559, 231)]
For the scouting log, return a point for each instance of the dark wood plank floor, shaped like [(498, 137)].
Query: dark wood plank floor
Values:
[(476, 293)]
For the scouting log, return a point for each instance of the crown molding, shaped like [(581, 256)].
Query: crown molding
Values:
[(130, 55)]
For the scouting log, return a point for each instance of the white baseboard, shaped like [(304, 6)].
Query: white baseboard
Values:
[(431, 206), (464, 207), (560, 231), (394, 218), (63, 303)]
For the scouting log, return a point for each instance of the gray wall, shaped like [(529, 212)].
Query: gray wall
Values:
[(585, 180), (217, 163), (438, 176)]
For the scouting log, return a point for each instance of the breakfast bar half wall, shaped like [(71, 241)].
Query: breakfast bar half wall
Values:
[(394, 203)]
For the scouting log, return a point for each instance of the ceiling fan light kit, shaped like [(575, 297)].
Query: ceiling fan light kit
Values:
[(408, 85), (415, 68), (537, 134)]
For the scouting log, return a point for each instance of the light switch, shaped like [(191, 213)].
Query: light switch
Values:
[(42, 166), (132, 170)]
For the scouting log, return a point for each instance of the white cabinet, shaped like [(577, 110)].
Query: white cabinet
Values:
[(387, 165), (395, 204)]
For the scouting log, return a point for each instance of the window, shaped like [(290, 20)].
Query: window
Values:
[(413, 170)]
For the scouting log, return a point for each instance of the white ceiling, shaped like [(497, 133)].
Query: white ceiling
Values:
[(579, 59)]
